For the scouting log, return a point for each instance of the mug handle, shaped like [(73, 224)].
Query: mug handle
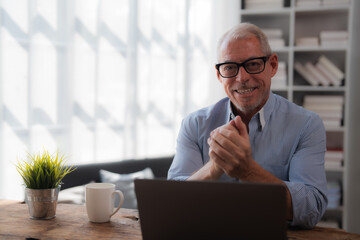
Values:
[(121, 195)]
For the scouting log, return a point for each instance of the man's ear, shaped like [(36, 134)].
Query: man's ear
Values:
[(218, 76), (273, 60)]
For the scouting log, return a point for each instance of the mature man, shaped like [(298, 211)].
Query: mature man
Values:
[(254, 135)]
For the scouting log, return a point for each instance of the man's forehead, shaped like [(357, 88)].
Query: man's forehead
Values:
[(231, 40), (239, 50)]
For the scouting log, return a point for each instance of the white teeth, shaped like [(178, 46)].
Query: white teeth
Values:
[(245, 91)]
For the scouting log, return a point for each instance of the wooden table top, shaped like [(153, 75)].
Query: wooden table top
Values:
[(71, 222)]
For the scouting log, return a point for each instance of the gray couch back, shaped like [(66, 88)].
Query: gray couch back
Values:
[(86, 173)]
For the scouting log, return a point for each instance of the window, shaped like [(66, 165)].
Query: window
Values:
[(102, 80)]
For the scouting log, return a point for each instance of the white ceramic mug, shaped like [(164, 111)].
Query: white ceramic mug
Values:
[(99, 199)]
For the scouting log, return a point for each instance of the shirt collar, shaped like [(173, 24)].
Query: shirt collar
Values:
[(264, 113), (229, 111)]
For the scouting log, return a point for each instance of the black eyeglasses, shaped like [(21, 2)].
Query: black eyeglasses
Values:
[(251, 66)]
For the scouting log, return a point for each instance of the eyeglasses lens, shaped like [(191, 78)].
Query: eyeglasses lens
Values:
[(254, 66), (228, 70)]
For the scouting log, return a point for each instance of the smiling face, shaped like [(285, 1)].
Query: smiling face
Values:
[(247, 92)]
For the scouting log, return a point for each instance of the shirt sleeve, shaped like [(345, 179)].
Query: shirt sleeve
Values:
[(307, 180), (188, 157)]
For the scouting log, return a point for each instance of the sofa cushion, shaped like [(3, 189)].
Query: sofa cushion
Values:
[(125, 183)]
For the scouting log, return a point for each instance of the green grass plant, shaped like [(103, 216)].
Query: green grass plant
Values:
[(42, 171)]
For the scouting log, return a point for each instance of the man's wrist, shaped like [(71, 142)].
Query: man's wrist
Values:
[(249, 173), (215, 171), (208, 172)]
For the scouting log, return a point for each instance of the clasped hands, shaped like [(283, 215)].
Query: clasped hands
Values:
[(230, 150)]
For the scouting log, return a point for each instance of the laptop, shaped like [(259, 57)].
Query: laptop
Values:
[(210, 210)]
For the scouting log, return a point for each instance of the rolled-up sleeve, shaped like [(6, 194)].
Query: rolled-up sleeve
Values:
[(188, 157), (307, 179)]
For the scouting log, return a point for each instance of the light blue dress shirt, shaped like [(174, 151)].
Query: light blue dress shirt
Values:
[(286, 140)]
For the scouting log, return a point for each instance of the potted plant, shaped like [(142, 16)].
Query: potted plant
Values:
[(42, 174)]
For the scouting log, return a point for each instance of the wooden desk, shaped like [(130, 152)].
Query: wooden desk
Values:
[(71, 222)]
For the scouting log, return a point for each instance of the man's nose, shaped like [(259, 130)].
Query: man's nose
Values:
[(242, 75)]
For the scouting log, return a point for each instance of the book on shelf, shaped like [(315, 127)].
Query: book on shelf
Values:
[(282, 66), (328, 107), (307, 41), (278, 84), (335, 2), (334, 159), (334, 38), (333, 165), (273, 32), (308, 3), (326, 99), (333, 194), (331, 67), (264, 1), (305, 74), (276, 42), (330, 115), (335, 155), (331, 77), (332, 123), (317, 74), (324, 72), (325, 112), (334, 42), (280, 78), (338, 34), (261, 4), (323, 107), (275, 37)]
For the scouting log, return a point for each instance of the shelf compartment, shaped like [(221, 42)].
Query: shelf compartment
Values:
[(268, 21), (336, 58), (316, 20)]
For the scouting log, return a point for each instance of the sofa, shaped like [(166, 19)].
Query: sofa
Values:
[(121, 173), (86, 173)]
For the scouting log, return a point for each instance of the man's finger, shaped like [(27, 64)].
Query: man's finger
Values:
[(233, 124), (220, 147), (230, 126), (240, 125)]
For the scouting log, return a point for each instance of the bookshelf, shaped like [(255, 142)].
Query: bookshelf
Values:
[(309, 22)]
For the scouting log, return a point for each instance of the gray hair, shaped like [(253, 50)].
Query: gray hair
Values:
[(242, 31)]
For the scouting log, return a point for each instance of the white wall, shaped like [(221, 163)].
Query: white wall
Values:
[(224, 18)]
